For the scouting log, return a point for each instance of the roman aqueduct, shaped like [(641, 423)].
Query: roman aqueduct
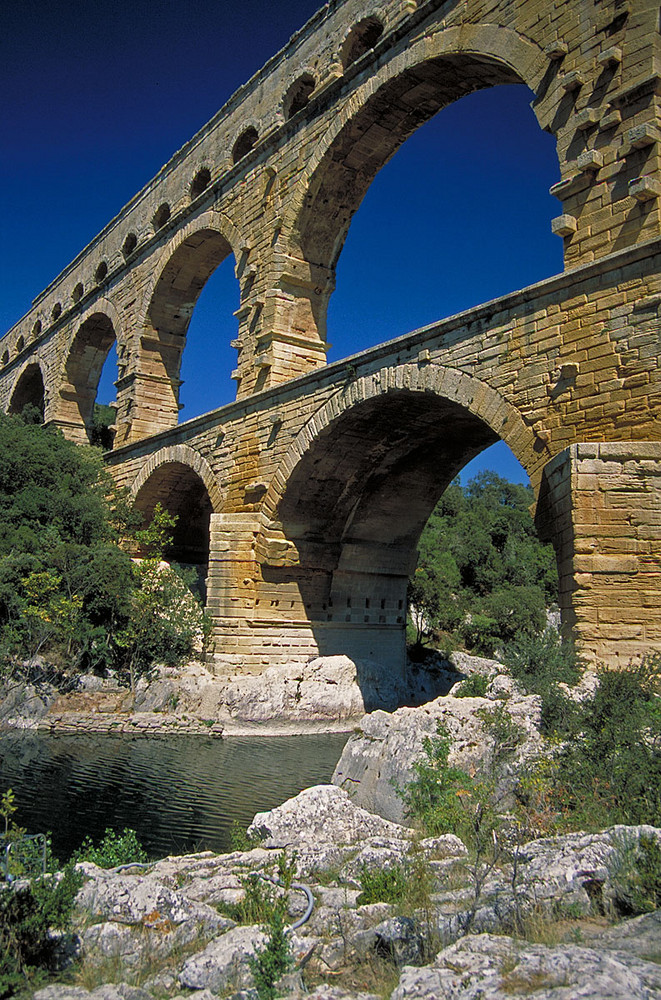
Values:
[(304, 499)]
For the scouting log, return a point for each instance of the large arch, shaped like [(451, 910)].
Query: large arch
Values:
[(28, 390), (345, 510), (82, 368), (416, 82)]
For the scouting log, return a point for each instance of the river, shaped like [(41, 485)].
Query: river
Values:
[(179, 793)]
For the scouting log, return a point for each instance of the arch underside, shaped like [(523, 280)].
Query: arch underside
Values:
[(370, 138), (29, 391), (85, 362), (362, 494), (184, 495)]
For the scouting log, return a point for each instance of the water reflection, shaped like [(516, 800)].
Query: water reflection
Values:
[(179, 793)]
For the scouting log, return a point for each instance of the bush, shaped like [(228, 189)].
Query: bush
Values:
[(383, 885), (433, 796), (474, 686), (635, 873), (609, 769), (114, 849), (27, 916), (540, 663)]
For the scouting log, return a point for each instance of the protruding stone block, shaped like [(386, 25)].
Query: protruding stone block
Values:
[(590, 160), (564, 225), (611, 56), (556, 51), (572, 82), (645, 188), (587, 118)]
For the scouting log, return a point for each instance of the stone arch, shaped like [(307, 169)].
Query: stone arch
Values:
[(462, 391), (345, 510), (410, 88), (84, 362), (29, 390), (362, 37), (181, 454), (181, 481)]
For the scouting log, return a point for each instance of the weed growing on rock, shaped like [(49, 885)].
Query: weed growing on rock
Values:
[(635, 873), (114, 849), (474, 686), (432, 797), (28, 915), (383, 885)]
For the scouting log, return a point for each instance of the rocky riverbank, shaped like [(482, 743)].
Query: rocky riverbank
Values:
[(327, 694), (394, 915), (146, 935)]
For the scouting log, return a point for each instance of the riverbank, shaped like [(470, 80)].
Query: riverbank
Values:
[(328, 694)]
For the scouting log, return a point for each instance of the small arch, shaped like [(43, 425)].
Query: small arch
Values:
[(78, 292), (36, 329), (362, 37), (129, 244), (20, 344), (298, 95), (56, 311), (29, 391), (101, 271), (5, 357), (200, 182), (161, 216), (244, 143)]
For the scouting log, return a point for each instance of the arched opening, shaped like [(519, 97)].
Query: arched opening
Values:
[(29, 393), (56, 311), (353, 511), (101, 272), (86, 359), (200, 183), (161, 216), (244, 144), (362, 37), (181, 492), (174, 298), (129, 244), (298, 95), (77, 293), (459, 215), (20, 344), (5, 357), (36, 329)]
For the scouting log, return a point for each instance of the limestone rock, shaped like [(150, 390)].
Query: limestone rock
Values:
[(109, 991), (378, 759), (225, 962), (321, 814), (496, 968)]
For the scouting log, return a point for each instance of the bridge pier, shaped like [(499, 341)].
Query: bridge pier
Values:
[(600, 504)]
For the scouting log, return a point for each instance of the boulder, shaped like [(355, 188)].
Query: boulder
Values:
[(377, 762), (321, 814), (225, 963), (497, 968)]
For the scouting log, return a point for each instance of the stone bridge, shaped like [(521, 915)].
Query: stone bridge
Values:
[(304, 499)]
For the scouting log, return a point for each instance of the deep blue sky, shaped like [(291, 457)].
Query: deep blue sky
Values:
[(96, 97)]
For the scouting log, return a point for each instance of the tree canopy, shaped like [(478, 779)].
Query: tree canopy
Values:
[(483, 576)]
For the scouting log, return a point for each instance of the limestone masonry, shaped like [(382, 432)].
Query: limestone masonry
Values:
[(304, 499)]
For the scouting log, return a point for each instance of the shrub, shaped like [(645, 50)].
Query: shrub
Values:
[(540, 663), (383, 885), (114, 849), (635, 873), (433, 795), (27, 916), (474, 686)]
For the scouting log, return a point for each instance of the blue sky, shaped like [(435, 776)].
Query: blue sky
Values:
[(97, 97)]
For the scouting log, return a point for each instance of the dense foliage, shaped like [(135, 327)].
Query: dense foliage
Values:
[(483, 577), (67, 590)]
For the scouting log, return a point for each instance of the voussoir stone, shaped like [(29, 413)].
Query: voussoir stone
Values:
[(321, 814)]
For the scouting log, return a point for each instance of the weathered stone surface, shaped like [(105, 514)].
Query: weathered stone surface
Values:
[(377, 761), (321, 814), (225, 963), (109, 991), (495, 968)]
